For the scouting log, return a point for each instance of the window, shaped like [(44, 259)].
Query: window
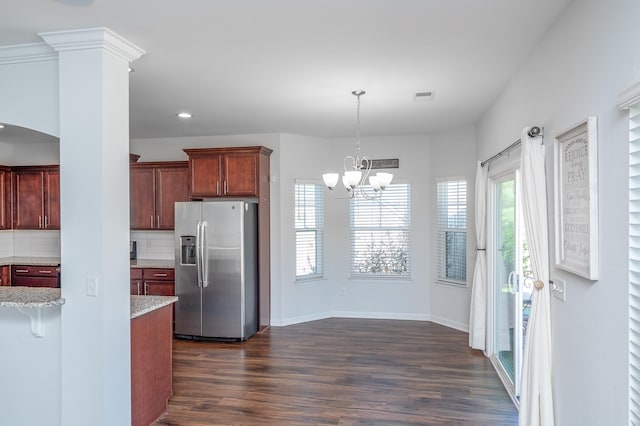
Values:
[(380, 234), (309, 222), (452, 231)]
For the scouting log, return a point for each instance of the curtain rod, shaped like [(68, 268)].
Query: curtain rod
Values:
[(533, 132)]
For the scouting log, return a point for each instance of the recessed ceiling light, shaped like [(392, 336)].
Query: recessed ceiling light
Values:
[(184, 115)]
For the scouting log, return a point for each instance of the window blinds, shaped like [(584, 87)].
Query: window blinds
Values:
[(452, 230), (309, 224), (380, 233)]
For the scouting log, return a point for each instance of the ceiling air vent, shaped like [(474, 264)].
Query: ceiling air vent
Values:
[(423, 96)]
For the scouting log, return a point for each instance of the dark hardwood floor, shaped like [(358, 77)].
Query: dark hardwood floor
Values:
[(338, 372)]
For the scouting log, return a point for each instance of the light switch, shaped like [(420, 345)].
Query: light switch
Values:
[(559, 289), (92, 286)]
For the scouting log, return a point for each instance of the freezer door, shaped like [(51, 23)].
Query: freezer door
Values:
[(188, 308), (223, 297)]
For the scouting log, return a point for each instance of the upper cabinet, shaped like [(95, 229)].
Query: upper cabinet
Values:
[(36, 197), (228, 172), (5, 198), (154, 189)]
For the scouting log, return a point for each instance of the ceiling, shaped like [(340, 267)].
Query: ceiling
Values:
[(289, 66)]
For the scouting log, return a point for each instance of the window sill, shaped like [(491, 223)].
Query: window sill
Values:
[(453, 284)]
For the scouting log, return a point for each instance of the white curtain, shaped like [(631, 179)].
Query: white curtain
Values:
[(478, 312), (536, 398)]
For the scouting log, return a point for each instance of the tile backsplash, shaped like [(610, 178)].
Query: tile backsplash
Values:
[(154, 244), (36, 243), (6, 243)]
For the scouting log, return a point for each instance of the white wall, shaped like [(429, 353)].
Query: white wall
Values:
[(338, 295), (578, 69), (453, 155)]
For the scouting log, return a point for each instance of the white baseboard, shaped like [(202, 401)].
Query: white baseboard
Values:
[(451, 324), (303, 318), (348, 314), (380, 315)]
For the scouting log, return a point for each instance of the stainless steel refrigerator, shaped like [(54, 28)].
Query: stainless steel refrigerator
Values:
[(216, 269)]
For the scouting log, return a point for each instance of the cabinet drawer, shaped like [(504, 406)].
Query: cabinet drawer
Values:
[(34, 281), (158, 274), (34, 271), (136, 273)]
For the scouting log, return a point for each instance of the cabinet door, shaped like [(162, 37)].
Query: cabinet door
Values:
[(205, 175), (142, 198), (5, 276), (5, 202), (28, 200), (241, 172), (172, 185), (159, 288), (52, 200), (135, 287)]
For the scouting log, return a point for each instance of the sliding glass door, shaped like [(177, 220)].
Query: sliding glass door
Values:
[(510, 287)]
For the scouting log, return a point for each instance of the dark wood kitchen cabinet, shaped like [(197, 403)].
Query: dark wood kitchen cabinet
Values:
[(154, 189), (5, 275), (34, 276), (5, 197), (227, 172), (36, 197), (152, 282)]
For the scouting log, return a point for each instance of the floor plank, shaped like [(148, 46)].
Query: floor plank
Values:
[(338, 372)]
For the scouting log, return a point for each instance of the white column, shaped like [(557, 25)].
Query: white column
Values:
[(94, 191)]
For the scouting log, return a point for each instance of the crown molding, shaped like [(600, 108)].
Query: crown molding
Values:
[(23, 53), (93, 38), (629, 96)]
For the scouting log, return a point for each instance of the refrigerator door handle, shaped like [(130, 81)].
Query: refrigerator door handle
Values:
[(205, 257), (198, 252)]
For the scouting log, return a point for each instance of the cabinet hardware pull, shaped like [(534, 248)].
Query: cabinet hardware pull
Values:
[(151, 216), (45, 272), (158, 222), (46, 221), (40, 222), (159, 275), (218, 187), (138, 288), (225, 187), (146, 289), (21, 271)]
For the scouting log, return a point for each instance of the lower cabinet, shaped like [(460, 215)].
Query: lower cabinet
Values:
[(5, 275), (34, 276), (152, 282)]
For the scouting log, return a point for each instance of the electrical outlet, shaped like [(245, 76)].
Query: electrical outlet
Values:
[(559, 289)]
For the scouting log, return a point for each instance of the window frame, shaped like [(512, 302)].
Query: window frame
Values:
[(319, 249), (441, 233), (406, 229)]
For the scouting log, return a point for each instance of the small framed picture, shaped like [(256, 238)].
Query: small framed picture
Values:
[(576, 199)]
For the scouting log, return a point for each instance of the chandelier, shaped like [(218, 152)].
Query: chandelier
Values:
[(358, 169)]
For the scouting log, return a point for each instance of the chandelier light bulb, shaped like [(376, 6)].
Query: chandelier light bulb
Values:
[(353, 177), (373, 181), (330, 179), (384, 179)]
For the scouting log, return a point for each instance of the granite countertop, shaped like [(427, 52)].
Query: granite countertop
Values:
[(29, 260), (141, 305), (43, 297), (30, 297), (153, 263)]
